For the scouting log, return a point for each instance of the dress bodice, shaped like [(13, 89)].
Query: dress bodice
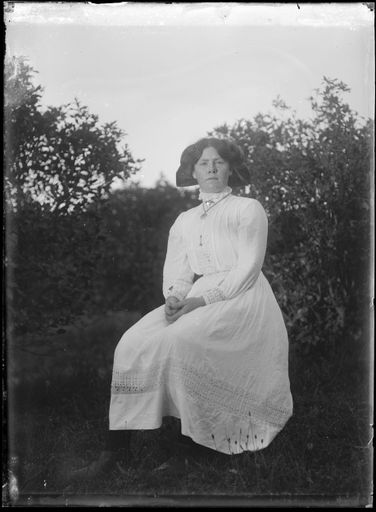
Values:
[(230, 239)]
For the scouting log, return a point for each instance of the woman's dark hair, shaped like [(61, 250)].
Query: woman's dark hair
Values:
[(229, 151)]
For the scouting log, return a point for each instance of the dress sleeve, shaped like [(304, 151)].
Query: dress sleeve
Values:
[(252, 239), (177, 273)]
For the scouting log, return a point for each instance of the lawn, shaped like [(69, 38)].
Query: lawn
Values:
[(58, 394)]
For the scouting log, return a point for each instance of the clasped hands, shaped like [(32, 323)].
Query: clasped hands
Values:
[(175, 308)]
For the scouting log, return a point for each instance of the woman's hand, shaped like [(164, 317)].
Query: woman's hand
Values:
[(185, 306), (171, 308)]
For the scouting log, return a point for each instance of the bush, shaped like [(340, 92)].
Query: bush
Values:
[(108, 257), (60, 164), (89, 250), (313, 177)]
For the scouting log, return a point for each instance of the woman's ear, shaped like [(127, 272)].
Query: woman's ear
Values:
[(194, 175)]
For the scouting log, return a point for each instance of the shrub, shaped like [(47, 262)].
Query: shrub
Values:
[(313, 177)]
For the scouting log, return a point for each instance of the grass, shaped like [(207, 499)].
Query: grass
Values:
[(322, 455)]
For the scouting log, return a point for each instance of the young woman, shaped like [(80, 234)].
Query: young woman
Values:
[(216, 354)]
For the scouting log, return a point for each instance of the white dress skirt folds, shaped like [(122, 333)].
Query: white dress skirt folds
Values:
[(222, 368)]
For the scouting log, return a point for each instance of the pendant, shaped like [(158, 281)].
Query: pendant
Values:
[(210, 205)]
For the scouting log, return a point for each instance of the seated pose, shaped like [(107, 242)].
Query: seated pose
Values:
[(215, 355)]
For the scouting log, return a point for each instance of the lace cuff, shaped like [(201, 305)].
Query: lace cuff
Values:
[(213, 295)]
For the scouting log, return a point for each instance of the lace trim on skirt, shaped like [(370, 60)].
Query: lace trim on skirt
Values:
[(201, 388)]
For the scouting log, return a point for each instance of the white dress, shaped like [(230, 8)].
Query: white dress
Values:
[(222, 368)]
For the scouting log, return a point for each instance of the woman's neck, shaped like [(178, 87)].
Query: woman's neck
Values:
[(214, 196)]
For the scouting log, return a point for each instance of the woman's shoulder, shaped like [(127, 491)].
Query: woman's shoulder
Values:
[(248, 210), (191, 212), (247, 203), (185, 216)]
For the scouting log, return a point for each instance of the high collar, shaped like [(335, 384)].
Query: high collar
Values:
[(214, 196)]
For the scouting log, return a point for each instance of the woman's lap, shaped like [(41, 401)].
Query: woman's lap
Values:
[(225, 325)]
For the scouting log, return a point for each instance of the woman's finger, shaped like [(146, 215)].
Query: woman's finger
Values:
[(171, 311), (175, 316)]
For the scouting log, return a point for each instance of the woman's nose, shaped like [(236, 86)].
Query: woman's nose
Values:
[(212, 167)]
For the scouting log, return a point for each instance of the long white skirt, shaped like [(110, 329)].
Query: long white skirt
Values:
[(222, 369)]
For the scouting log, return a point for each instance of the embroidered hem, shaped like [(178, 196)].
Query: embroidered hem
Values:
[(201, 388)]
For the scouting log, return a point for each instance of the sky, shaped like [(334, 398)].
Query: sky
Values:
[(169, 73)]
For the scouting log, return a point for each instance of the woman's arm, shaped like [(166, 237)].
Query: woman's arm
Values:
[(252, 239), (177, 273)]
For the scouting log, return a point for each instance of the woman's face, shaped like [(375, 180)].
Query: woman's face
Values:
[(211, 171)]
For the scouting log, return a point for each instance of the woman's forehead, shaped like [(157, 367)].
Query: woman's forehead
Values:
[(209, 152)]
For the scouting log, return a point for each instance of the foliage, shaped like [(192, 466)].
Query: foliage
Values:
[(60, 156), (60, 163), (87, 249), (106, 257), (313, 177)]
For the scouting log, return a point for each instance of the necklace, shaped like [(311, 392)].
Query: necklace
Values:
[(210, 204)]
